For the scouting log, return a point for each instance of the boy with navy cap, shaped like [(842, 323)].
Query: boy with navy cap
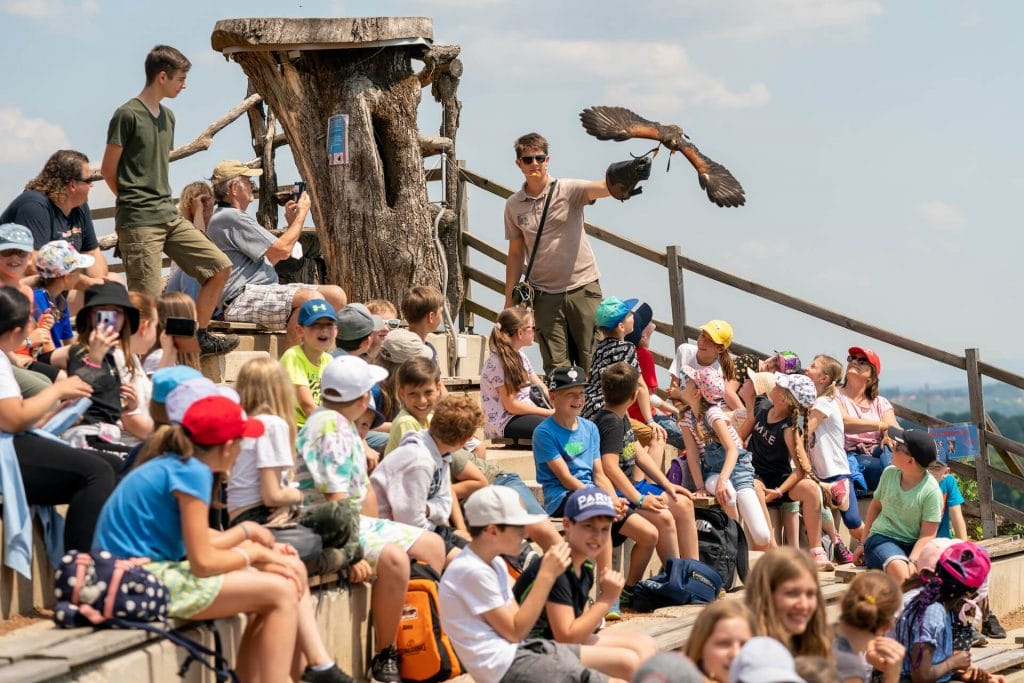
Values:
[(614, 320), (305, 362), (478, 612), (568, 615)]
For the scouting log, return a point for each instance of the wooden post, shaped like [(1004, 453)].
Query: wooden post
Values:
[(370, 203), (466, 319), (262, 126), (677, 300), (974, 390)]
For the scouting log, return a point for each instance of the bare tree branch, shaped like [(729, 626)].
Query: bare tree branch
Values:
[(205, 139)]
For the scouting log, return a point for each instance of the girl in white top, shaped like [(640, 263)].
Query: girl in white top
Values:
[(259, 483), (827, 450), (137, 424), (711, 350)]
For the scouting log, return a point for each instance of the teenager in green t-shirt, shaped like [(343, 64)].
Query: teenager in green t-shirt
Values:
[(907, 507)]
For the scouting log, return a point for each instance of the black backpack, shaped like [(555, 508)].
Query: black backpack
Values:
[(682, 582), (722, 544)]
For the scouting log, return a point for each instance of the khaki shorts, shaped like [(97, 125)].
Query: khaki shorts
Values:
[(142, 247)]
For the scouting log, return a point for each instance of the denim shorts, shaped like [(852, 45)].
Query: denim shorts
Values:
[(880, 550), (516, 483), (714, 459)]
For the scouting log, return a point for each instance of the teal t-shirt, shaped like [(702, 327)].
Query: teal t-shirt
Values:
[(904, 511), (143, 189)]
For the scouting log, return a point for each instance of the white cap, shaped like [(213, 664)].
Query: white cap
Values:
[(763, 381), (346, 378), (763, 660), (185, 394), (498, 505)]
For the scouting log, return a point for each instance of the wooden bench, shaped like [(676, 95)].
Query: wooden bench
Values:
[(997, 546)]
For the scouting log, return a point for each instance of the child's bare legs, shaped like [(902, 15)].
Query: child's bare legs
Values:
[(665, 524), (387, 598), (686, 527), (543, 534), (619, 663), (268, 643), (641, 644), (899, 570), (807, 493), (428, 548), (790, 528), (310, 647), (645, 538)]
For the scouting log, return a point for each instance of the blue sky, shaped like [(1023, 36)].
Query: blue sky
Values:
[(877, 141)]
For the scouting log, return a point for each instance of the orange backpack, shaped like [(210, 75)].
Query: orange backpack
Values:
[(425, 653)]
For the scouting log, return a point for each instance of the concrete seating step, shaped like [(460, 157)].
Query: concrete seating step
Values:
[(223, 368), (518, 461)]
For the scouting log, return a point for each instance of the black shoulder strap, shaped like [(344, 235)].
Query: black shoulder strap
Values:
[(540, 229)]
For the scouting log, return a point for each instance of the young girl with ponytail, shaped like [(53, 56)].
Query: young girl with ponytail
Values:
[(828, 452), (777, 438), (862, 652), (711, 350), (508, 378)]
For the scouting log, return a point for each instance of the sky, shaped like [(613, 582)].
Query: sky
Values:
[(877, 141)]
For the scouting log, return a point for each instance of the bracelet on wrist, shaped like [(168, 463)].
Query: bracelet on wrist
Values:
[(640, 500), (245, 556), (245, 530)]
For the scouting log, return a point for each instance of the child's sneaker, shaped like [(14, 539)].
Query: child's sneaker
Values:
[(821, 560), (626, 598), (614, 612), (841, 553), (384, 667), (991, 626), (330, 675)]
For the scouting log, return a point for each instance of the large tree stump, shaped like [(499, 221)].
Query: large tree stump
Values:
[(372, 214)]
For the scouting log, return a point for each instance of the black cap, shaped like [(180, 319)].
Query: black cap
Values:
[(566, 378), (919, 442), (642, 316), (108, 294)]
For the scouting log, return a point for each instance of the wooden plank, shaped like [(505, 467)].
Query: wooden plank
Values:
[(676, 295), (32, 670), (1001, 375), (98, 644), (1008, 449), (479, 309), (1001, 661), (24, 643), (488, 281), (624, 243), (485, 248), (974, 392), (917, 417)]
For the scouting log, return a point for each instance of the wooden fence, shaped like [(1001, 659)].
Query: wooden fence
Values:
[(676, 264)]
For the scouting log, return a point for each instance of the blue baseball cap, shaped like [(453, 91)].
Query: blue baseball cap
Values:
[(589, 502), (166, 379), (613, 311), (314, 310)]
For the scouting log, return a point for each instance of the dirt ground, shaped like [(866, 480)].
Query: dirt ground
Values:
[(21, 621), (1013, 620)]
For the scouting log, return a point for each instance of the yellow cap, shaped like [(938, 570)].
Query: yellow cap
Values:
[(232, 168), (719, 331)]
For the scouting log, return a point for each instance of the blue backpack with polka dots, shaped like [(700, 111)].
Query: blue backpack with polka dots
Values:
[(96, 590), (112, 592)]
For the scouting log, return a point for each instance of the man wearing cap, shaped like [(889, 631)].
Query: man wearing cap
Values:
[(253, 293), (54, 207), (564, 272), (906, 508)]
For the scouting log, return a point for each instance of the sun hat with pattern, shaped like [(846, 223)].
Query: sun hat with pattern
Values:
[(709, 380), (59, 258), (800, 386)]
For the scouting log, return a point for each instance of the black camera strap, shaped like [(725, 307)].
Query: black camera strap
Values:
[(540, 230)]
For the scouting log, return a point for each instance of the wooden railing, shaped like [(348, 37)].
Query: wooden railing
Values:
[(676, 264)]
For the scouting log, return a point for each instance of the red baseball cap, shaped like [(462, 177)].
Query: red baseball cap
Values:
[(215, 420), (872, 357)]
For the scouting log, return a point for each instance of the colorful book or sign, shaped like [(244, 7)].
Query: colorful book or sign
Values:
[(955, 441), (337, 140)]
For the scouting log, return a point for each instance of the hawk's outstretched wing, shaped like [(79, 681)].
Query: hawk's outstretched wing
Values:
[(722, 188), (618, 123)]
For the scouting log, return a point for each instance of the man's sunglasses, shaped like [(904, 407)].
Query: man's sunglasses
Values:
[(539, 158), (858, 360)]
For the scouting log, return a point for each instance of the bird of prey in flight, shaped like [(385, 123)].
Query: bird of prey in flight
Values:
[(619, 123)]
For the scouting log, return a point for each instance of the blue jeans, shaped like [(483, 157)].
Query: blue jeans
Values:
[(516, 483), (714, 459), (377, 441), (675, 435), (880, 550), (866, 470)]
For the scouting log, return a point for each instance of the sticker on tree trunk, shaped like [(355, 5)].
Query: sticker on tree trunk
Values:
[(337, 140)]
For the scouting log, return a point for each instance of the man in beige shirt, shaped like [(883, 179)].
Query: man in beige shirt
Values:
[(564, 274)]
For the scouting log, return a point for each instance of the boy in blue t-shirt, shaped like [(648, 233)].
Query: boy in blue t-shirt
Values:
[(566, 447), (952, 500)]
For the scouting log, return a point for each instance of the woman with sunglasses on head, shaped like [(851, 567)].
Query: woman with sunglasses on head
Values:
[(866, 417)]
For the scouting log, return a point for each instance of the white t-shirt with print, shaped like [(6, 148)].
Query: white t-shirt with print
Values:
[(273, 449), (686, 354)]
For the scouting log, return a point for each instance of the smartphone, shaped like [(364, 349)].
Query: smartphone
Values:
[(180, 327), (298, 189), (107, 319)]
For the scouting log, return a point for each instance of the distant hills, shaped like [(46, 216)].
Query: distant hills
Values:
[(999, 398)]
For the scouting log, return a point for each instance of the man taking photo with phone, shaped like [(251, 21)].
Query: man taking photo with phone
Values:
[(253, 293)]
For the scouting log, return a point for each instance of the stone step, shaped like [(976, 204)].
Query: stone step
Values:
[(512, 460), (223, 368)]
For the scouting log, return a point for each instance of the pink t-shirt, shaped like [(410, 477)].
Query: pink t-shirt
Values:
[(873, 412)]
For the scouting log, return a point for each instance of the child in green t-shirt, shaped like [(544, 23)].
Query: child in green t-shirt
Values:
[(305, 362), (418, 381), (907, 507)]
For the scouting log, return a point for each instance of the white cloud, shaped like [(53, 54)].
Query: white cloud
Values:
[(650, 77), (45, 9), (759, 19), (942, 216), (28, 140)]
